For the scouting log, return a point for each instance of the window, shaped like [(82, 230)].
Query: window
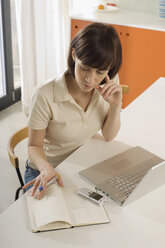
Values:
[(10, 91), (2, 69)]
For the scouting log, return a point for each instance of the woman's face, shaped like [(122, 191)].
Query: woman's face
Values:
[(86, 77)]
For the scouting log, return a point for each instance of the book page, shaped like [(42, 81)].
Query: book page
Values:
[(51, 208), (81, 211), (54, 226)]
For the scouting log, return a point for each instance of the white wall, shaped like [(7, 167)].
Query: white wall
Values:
[(150, 6), (80, 6)]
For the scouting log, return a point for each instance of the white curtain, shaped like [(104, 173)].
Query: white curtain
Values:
[(43, 37)]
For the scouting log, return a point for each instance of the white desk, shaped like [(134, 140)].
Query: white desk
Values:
[(138, 225), (143, 121)]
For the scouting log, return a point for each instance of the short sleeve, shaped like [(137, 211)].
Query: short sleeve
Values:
[(40, 110)]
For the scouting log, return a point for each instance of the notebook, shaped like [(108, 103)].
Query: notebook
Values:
[(62, 208), (128, 175)]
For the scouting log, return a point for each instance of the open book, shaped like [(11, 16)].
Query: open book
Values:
[(63, 208)]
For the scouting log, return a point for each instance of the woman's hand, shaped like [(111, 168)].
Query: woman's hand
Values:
[(46, 175), (111, 92)]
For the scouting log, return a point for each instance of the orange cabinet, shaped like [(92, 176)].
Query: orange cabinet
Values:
[(143, 57)]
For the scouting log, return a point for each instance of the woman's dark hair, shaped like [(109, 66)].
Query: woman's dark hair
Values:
[(97, 46)]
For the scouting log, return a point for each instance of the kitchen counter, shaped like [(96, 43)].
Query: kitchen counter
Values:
[(125, 18)]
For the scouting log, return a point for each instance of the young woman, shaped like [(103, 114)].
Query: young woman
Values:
[(68, 111)]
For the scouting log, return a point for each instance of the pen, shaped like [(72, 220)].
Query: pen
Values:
[(49, 182)]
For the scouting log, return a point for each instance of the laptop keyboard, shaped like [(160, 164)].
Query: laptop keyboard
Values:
[(127, 181)]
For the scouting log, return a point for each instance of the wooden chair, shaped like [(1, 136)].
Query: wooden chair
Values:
[(12, 143), (125, 88)]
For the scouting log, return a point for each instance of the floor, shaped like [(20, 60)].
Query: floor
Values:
[(11, 119)]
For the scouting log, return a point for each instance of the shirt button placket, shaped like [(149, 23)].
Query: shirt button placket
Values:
[(84, 118)]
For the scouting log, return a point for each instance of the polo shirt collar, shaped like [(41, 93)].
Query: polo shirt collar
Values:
[(61, 93)]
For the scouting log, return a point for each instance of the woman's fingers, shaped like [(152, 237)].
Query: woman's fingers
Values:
[(29, 184), (42, 186), (117, 89), (40, 183), (59, 180), (39, 193), (108, 89), (114, 90), (105, 87), (111, 92), (36, 186)]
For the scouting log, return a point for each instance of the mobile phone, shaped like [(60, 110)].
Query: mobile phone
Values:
[(92, 196), (102, 82)]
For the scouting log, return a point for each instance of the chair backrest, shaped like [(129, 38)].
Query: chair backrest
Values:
[(125, 88), (13, 141)]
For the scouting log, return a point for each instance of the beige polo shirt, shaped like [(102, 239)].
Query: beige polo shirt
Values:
[(67, 125)]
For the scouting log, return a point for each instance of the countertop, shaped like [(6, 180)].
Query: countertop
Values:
[(125, 18)]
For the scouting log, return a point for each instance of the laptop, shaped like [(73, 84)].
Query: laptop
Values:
[(128, 175)]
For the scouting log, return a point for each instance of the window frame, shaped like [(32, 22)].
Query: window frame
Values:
[(12, 95)]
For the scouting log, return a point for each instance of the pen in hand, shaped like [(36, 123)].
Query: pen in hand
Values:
[(49, 183)]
